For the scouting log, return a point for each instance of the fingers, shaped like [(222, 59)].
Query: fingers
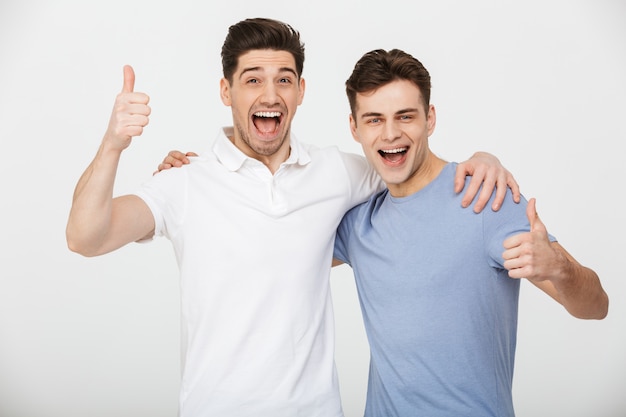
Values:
[(480, 177), (531, 213), (484, 196), (536, 225), (512, 255), (162, 166), (129, 87), (514, 186), (131, 118), (505, 180), (490, 179), (527, 254), (174, 159), (499, 196), (130, 113), (459, 181), (129, 79), (470, 193)]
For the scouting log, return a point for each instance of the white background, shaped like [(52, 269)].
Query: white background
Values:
[(541, 84)]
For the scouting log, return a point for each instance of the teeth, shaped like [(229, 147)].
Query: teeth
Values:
[(267, 114), (397, 150)]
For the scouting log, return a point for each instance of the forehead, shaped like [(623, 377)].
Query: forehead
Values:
[(266, 59), (391, 97)]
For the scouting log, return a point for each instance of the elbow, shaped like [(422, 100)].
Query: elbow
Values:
[(75, 247), (602, 307), (600, 314), (603, 311), (78, 245), (598, 311)]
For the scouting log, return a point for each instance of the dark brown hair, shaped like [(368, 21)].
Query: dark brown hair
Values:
[(260, 33), (379, 67)]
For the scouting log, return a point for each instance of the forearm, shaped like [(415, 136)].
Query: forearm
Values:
[(577, 288), (582, 294), (90, 214)]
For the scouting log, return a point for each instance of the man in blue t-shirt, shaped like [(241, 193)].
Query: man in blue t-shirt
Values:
[(439, 285)]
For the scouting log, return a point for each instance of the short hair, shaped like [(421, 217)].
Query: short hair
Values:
[(379, 67), (260, 33)]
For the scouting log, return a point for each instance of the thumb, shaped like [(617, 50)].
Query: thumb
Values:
[(129, 79), (531, 212)]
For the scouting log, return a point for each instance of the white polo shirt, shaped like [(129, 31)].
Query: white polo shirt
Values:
[(254, 252)]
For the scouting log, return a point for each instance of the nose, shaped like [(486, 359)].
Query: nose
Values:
[(391, 132), (269, 96)]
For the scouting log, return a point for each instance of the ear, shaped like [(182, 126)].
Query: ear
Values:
[(301, 93), (431, 120), (225, 92), (353, 130)]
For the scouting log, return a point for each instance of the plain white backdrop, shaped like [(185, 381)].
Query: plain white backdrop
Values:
[(538, 83)]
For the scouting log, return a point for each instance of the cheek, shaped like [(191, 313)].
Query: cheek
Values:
[(292, 99), (418, 133), (362, 136), (369, 144), (242, 104)]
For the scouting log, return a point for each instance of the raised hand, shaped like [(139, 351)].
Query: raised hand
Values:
[(130, 113), (531, 255)]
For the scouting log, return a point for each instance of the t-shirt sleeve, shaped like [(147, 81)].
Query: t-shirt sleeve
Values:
[(510, 220), (342, 238)]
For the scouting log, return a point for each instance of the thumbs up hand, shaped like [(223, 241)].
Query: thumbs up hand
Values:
[(130, 113), (531, 255)]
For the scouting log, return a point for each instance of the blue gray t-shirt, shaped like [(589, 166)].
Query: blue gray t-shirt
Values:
[(439, 309)]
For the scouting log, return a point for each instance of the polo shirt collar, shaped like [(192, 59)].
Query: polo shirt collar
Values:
[(233, 158)]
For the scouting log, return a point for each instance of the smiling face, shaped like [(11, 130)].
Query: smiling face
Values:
[(392, 126), (264, 96)]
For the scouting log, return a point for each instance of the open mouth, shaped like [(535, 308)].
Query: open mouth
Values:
[(393, 155), (267, 122)]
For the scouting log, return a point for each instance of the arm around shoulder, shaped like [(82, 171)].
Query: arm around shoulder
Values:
[(486, 171)]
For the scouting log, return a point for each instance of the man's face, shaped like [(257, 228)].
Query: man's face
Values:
[(263, 97), (392, 127)]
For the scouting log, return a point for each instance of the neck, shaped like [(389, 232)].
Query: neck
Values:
[(424, 175), (272, 159)]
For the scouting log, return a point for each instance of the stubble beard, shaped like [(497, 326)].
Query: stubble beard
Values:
[(264, 149)]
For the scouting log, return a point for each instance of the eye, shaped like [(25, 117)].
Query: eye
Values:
[(252, 81), (284, 81), (374, 120)]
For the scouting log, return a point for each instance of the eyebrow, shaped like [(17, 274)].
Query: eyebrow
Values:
[(399, 112), (281, 70)]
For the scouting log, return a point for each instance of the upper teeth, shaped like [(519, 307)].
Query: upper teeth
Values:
[(267, 114), (397, 150)]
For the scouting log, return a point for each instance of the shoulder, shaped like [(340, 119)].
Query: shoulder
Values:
[(350, 165), (368, 208), (347, 158)]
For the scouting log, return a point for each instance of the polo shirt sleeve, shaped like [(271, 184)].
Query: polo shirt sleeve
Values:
[(364, 180), (166, 196)]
